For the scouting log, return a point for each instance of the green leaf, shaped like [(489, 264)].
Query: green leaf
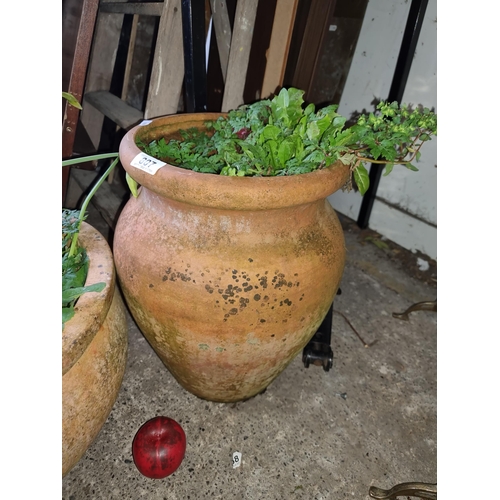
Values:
[(286, 150), (322, 125), (411, 167), (309, 109), (313, 131), (279, 104), (75, 270), (388, 169), (339, 121), (73, 293), (295, 97), (254, 152), (229, 171), (72, 100), (132, 184), (287, 107), (273, 152), (316, 157), (283, 98), (378, 243), (67, 314), (270, 132), (348, 159), (361, 178), (299, 146)]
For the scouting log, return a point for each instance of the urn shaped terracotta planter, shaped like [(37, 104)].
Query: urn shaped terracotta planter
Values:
[(228, 278), (94, 352)]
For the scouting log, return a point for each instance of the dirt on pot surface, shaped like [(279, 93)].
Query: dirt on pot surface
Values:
[(415, 264)]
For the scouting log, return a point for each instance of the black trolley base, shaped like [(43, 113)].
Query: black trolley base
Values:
[(319, 350)]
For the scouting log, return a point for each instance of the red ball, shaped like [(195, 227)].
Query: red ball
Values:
[(158, 447)]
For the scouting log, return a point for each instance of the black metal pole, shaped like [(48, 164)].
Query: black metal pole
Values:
[(403, 65), (195, 74)]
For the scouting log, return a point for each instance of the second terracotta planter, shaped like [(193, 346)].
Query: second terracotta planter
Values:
[(94, 353), (228, 278)]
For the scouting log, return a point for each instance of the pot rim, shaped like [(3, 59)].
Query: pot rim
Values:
[(224, 192), (92, 307)]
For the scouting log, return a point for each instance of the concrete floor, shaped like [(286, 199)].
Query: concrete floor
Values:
[(312, 434)]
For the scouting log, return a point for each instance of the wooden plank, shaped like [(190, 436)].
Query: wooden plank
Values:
[(126, 76), (100, 71), (114, 108), (284, 19), (130, 57), (239, 54), (317, 20), (167, 73), (75, 64), (76, 51), (222, 27), (139, 8)]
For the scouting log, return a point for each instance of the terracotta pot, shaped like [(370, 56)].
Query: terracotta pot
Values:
[(227, 277), (94, 352)]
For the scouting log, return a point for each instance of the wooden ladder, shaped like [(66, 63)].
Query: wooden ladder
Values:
[(177, 59), (163, 97)]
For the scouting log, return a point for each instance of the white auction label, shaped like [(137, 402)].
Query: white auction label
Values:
[(147, 163), (236, 459)]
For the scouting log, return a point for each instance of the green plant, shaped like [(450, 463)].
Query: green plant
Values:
[(281, 137), (75, 261), (74, 267)]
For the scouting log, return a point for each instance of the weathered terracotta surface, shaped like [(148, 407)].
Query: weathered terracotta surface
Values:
[(98, 335), (228, 278)]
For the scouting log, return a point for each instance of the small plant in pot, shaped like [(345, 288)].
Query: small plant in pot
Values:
[(94, 334), (229, 254), (279, 137), (75, 261)]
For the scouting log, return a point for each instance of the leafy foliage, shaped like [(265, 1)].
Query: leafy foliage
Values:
[(282, 137), (74, 266), (75, 262)]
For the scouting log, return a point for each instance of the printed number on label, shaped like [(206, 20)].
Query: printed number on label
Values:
[(147, 163), (236, 459)]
